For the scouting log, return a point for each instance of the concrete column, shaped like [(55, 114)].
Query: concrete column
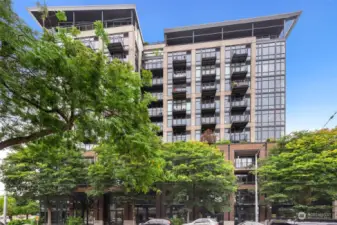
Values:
[(222, 92), (132, 48), (334, 209), (252, 90), (193, 94), (165, 96)]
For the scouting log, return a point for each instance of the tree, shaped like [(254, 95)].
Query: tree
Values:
[(48, 168), (301, 169), (52, 83), (208, 136), (19, 206), (200, 176)]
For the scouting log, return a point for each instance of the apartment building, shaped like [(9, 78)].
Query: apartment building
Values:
[(227, 76)]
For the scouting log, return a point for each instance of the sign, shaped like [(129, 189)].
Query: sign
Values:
[(301, 215)]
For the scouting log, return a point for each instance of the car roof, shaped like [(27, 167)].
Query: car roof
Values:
[(158, 221)]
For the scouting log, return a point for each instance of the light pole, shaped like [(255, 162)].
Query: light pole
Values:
[(5, 208), (256, 191)]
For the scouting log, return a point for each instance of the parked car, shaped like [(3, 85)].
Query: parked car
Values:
[(203, 221), (156, 222)]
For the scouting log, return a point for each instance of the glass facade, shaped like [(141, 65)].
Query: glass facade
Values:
[(270, 90)]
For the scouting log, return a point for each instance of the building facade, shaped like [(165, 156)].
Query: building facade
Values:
[(228, 76)]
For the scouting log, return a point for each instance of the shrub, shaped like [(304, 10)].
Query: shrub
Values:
[(176, 221), (74, 221), (16, 222)]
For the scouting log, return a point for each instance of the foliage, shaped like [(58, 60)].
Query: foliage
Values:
[(19, 206), (208, 136), (100, 32), (176, 221), (74, 221), (81, 93), (52, 166), (301, 169), (223, 142), (16, 222), (200, 175), (145, 43)]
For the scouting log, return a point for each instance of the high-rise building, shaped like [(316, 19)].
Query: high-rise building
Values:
[(228, 76)]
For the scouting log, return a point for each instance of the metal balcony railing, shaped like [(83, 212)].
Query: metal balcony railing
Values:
[(237, 138), (239, 118), (155, 111), (208, 105), (208, 86), (179, 122), (179, 137), (208, 120), (157, 95), (239, 55), (106, 23), (179, 107), (157, 81)]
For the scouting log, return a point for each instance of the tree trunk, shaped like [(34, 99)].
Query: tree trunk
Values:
[(26, 216), (49, 215), (10, 217)]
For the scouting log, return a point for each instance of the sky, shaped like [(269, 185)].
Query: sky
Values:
[(311, 65)]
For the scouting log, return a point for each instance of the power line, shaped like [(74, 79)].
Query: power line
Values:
[(331, 117)]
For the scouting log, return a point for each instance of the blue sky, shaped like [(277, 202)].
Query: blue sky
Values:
[(311, 47)]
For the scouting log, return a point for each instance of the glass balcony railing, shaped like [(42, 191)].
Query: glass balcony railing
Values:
[(208, 86), (207, 55), (151, 66), (179, 122), (239, 103), (239, 137), (239, 118), (208, 120), (157, 81), (179, 89), (178, 58), (240, 84), (179, 75), (179, 137), (244, 163), (155, 111), (157, 95), (179, 107), (159, 124), (208, 72), (208, 105)]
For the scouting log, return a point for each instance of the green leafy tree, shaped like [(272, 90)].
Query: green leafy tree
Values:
[(19, 206), (200, 177), (50, 167), (52, 83), (302, 169), (11, 206)]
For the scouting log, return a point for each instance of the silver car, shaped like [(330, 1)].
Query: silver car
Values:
[(203, 221)]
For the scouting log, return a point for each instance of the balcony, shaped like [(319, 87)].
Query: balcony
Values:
[(245, 197), (160, 125), (155, 112), (157, 81), (179, 77), (116, 45), (208, 58), (238, 137), (208, 106), (239, 106), (208, 74), (179, 137), (208, 120), (239, 55), (153, 66), (239, 72), (179, 61), (245, 179), (209, 88), (239, 122), (240, 87), (179, 107), (179, 122), (179, 90), (246, 163), (158, 95)]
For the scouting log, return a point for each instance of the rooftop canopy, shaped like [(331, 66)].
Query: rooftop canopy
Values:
[(276, 26)]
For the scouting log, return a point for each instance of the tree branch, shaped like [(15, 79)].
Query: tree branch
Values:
[(20, 140)]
